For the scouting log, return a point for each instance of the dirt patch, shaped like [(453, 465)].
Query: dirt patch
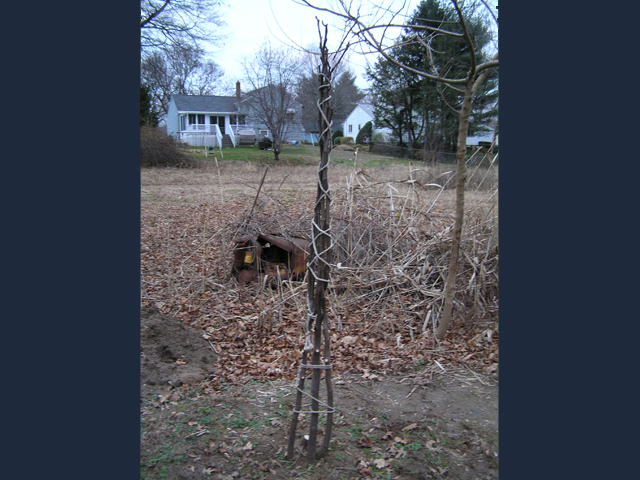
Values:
[(171, 353), (421, 424)]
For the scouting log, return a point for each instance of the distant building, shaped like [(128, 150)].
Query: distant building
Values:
[(215, 120), (359, 116)]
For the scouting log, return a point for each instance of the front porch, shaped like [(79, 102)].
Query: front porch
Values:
[(198, 138), (210, 130)]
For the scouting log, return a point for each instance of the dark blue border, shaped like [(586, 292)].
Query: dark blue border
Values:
[(71, 240), (568, 122)]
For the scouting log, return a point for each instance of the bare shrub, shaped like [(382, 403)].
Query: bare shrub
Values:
[(160, 150)]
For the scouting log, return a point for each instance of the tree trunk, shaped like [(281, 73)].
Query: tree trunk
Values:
[(276, 147), (461, 174), (317, 282)]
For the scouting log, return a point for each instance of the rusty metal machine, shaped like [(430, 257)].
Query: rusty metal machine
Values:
[(271, 255)]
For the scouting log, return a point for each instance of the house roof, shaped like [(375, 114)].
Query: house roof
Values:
[(205, 103), (314, 126), (367, 107)]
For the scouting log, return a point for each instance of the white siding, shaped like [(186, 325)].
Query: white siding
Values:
[(357, 118), (172, 119)]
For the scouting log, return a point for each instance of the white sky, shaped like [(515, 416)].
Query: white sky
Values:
[(250, 22)]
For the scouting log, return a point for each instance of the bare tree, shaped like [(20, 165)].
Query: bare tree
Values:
[(164, 23), (273, 75), (180, 69), (373, 32)]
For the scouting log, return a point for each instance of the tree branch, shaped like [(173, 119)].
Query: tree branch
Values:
[(154, 14)]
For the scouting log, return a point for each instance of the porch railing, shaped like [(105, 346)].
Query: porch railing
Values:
[(201, 139), (232, 136), (200, 128)]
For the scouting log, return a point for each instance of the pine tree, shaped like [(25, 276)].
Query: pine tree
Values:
[(344, 97), (148, 116), (421, 110)]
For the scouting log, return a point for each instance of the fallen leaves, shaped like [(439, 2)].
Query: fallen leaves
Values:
[(364, 442), (412, 426), (185, 267), (381, 463)]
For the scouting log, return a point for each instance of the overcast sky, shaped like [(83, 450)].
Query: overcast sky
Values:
[(250, 22)]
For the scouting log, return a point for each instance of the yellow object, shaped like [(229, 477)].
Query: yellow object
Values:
[(248, 257)]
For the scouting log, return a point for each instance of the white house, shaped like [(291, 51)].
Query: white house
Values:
[(489, 137), (361, 114)]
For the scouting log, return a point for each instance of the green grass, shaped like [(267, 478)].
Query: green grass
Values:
[(355, 431), (164, 456), (292, 155), (238, 421), (289, 154)]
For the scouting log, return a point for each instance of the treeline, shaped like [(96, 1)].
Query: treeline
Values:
[(421, 112)]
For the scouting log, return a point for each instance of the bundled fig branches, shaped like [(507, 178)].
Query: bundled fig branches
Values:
[(317, 282)]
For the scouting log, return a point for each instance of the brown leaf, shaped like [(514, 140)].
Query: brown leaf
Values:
[(410, 427), (381, 463), (364, 442), (348, 340)]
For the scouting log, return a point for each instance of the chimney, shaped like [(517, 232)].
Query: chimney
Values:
[(238, 92)]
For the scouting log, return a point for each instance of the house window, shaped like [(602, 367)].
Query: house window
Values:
[(350, 128), (238, 119), (290, 112), (193, 117)]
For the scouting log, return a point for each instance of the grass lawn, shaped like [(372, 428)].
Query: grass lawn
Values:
[(293, 155)]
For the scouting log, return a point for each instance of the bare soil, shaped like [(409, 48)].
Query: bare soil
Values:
[(419, 424)]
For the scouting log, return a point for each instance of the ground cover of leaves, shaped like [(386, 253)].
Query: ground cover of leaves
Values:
[(218, 361)]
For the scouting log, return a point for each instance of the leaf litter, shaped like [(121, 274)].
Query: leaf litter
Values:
[(253, 333)]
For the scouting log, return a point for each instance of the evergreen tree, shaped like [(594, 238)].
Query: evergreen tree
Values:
[(364, 135), (420, 110), (148, 116), (345, 95), (396, 96)]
